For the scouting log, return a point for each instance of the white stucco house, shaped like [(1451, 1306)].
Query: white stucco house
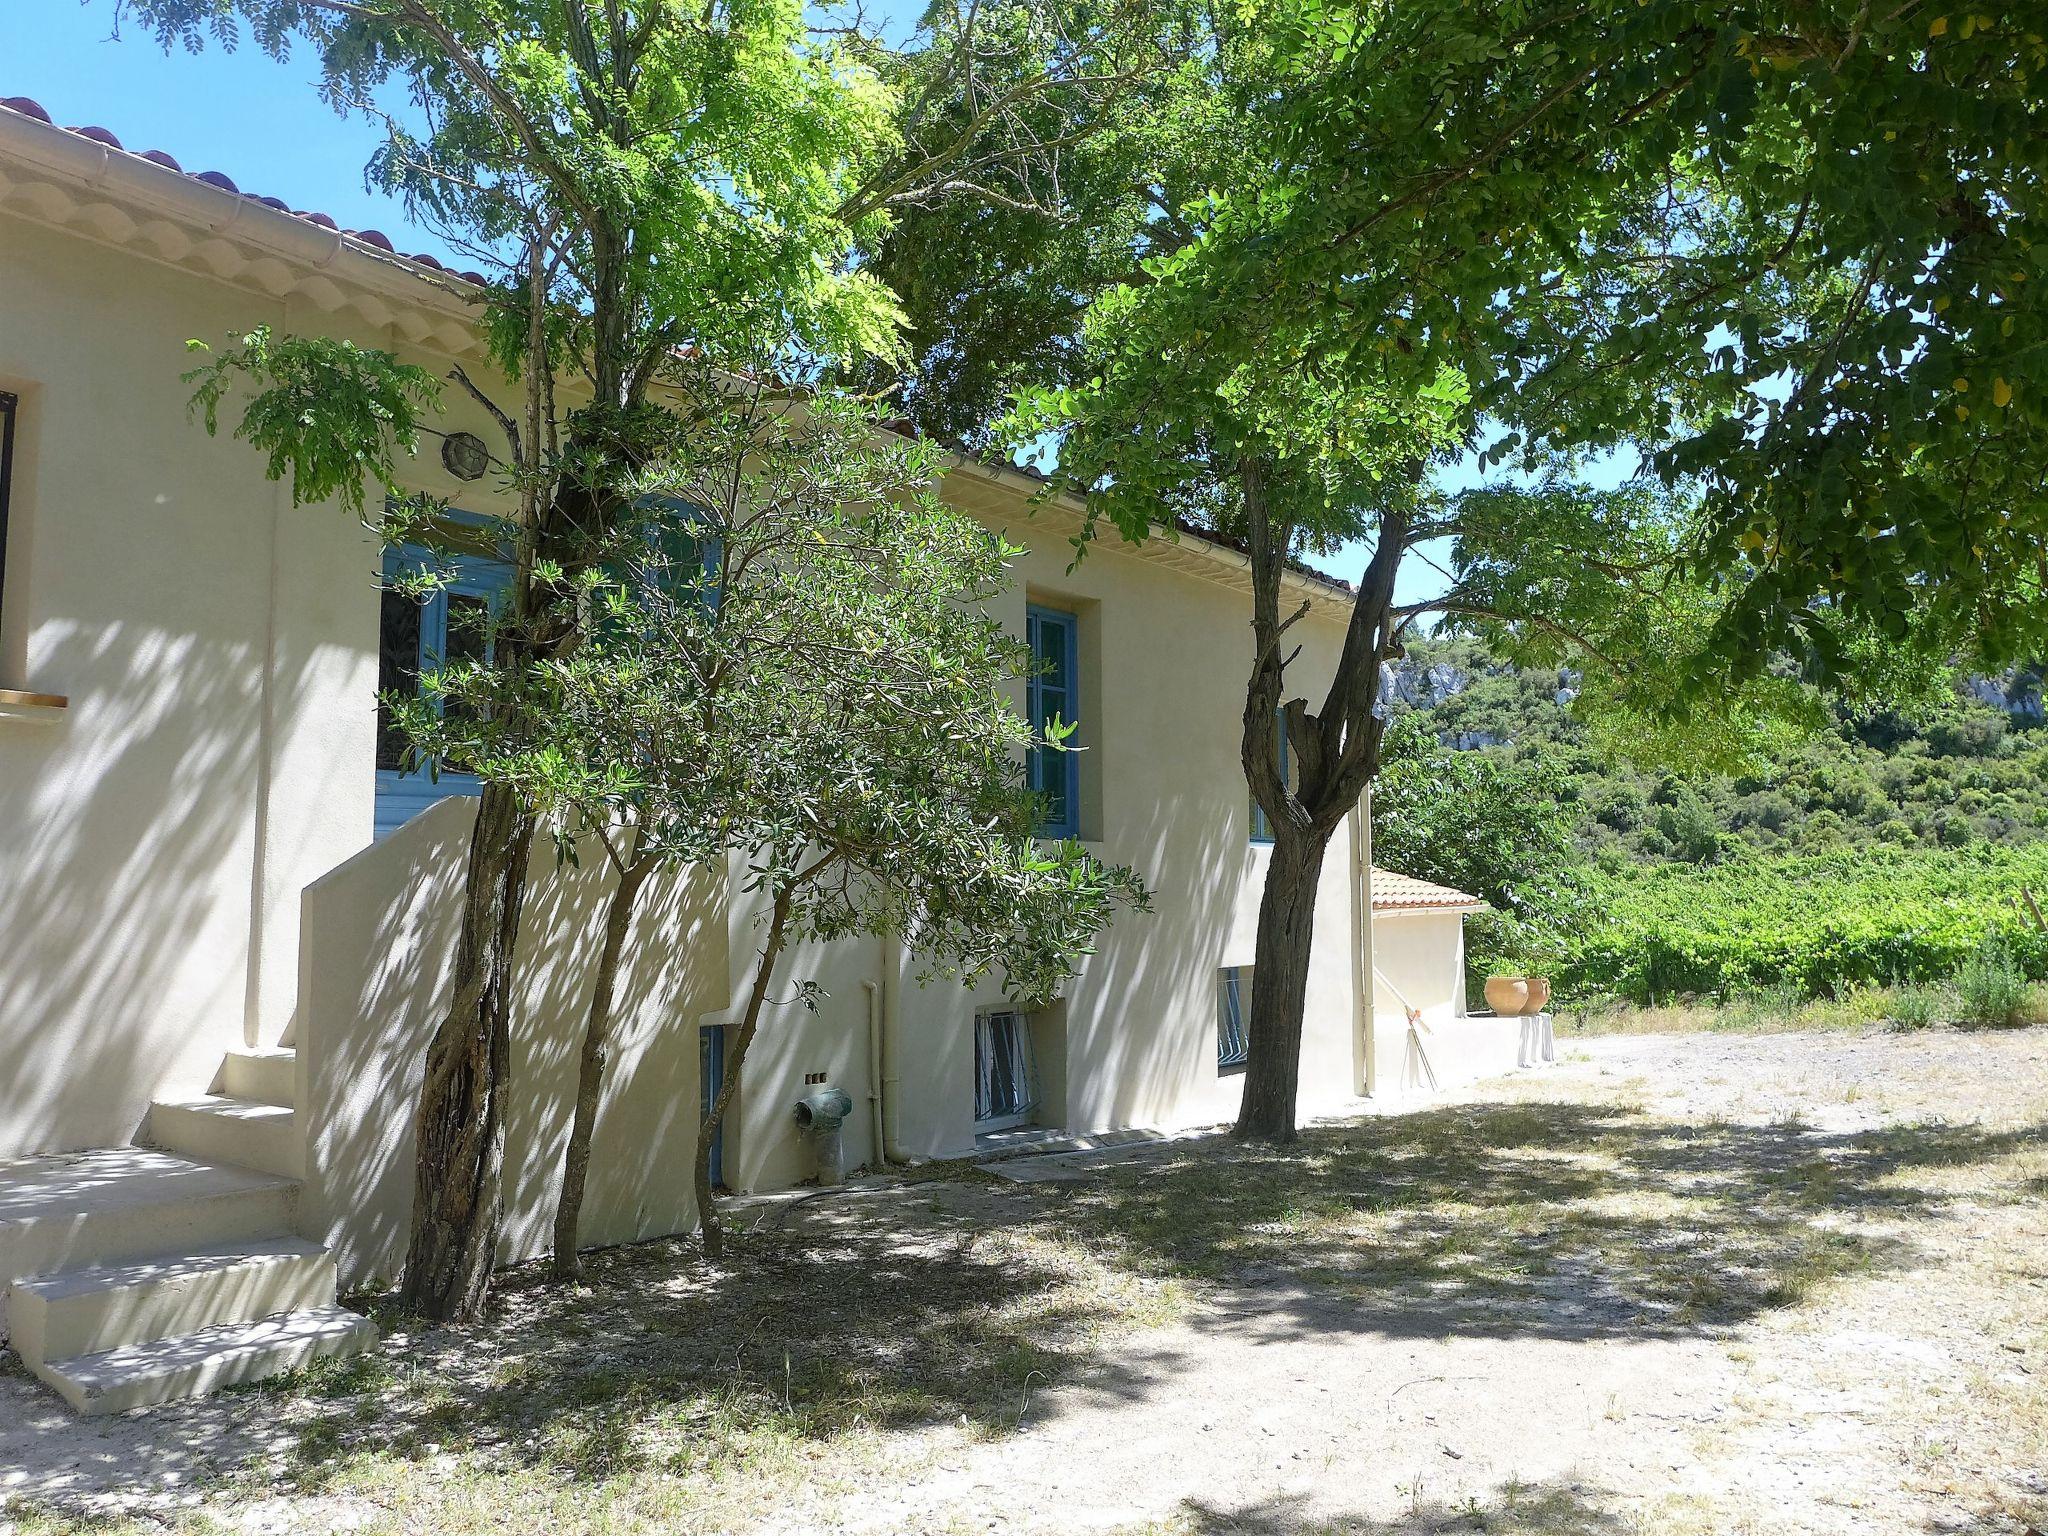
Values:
[(226, 919)]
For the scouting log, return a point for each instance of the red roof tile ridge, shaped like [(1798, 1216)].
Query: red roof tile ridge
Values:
[(1393, 891), (376, 240)]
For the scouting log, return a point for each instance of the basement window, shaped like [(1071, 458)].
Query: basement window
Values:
[(1233, 1015)]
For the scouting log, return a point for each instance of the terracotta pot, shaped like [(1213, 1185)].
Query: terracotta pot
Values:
[(1516, 995)]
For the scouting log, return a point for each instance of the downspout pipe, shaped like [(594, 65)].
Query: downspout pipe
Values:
[(877, 1100), (1363, 971), (889, 1050)]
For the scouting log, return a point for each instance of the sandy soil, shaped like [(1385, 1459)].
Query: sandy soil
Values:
[(1904, 1390)]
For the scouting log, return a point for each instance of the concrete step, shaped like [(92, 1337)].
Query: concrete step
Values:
[(77, 1208), (221, 1129), (1033, 1141), (106, 1306), (263, 1074), (194, 1364)]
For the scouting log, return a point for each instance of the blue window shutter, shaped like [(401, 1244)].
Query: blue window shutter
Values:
[(405, 789), (1262, 829), (1054, 693)]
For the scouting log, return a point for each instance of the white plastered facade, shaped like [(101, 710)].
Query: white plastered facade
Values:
[(186, 853)]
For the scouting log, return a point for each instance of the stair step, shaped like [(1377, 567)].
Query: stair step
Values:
[(78, 1208), (221, 1129), (105, 1306), (194, 1364), (266, 1074)]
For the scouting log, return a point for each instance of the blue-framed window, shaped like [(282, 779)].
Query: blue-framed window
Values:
[(1233, 1013), (1054, 693), (415, 637), (1262, 826), (684, 551)]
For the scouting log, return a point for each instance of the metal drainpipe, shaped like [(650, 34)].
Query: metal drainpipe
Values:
[(876, 1099), (1361, 935), (888, 1049)]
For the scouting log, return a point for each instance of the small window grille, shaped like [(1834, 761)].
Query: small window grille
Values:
[(1233, 1012)]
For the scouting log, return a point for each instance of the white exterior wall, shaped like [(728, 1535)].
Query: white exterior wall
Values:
[(1163, 658), (134, 840), (218, 649), (185, 851), (380, 939), (1419, 958)]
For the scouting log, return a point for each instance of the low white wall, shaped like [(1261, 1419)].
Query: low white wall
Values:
[(1419, 958), (379, 940)]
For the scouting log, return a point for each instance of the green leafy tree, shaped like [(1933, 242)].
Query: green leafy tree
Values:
[(1499, 826), (1531, 228), (830, 701), (654, 188), (787, 659), (662, 174)]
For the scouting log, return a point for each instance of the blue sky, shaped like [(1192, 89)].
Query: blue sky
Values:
[(263, 124), (259, 122)]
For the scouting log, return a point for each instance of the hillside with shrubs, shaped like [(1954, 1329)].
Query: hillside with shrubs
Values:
[(1891, 853)]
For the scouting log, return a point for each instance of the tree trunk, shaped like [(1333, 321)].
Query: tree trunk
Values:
[(1287, 919), (597, 1040), (735, 1054), (460, 1128)]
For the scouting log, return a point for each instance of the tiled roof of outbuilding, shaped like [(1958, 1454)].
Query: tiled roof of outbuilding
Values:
[(375, 239), (1393, 892)]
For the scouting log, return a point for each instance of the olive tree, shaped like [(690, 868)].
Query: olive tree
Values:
[(815, 690)]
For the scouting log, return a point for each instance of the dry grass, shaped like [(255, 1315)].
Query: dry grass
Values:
[(1770, 1011)]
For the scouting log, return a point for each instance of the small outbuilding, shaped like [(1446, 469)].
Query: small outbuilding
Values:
[(1424, 1037)]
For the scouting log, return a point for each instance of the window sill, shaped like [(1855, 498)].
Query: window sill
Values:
[(31, 708)]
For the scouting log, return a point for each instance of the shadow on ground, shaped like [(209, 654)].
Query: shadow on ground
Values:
[(1542, 1510), (1546, 1220), (661, 1363), (963, 1302)]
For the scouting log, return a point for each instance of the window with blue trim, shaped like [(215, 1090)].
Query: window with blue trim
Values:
[(1262, 826), (683, 551), (1233, 1014), (1054, 694), (415, 637)]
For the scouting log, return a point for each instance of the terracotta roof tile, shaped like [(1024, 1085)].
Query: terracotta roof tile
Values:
[(1393, 892), (375, 239)]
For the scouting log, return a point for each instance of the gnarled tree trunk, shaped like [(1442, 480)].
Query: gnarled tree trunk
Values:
[(1334, 756), (460, 1127), (597, 1039), (1287, 918)]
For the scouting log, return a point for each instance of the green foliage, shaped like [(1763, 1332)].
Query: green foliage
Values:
[(1818, 923), (788, 657), (1948, 772), (1495, 825), (328, 414), (1836, 210), (990, 284), (1916, 1006), (1856, 855), (1990, 986), (690, 161)]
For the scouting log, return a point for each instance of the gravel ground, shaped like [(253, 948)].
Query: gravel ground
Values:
[(1880, 1364)]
